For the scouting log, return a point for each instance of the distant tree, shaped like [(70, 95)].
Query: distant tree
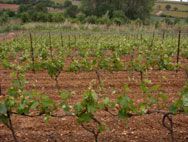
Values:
[(23, 8), (3, 18), (71, 11), (119, 17), (88, 7), (41, 16), (41, 7), (57, 17), (133, 9), (118, 14), (175, 8), (46, 2), (102, 9), (25, 17), (67, 3), (168, 7), (81, 17), (104, 19)]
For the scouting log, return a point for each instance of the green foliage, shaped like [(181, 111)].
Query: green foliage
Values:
[(67, 3), (132, 9), (176, 21), (38, 12), (182, 103), (10, 27), (57, 17), (126, 106), (119, 17), (54, 68), (3, 18), (168, 7), (25, 17), (88, 52), (87, 7), (3, 114), (91, 19), (138, 9), (104, 20), (175, 9), (81, 17), (8, 13), (118, 21), (46, 105), (31, 8), (71, 11), (65, 95), (107, 104), (85, 109), (186, 20), (168, 21)]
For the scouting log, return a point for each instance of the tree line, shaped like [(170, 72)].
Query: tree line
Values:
[(132, 9), (90, 11)]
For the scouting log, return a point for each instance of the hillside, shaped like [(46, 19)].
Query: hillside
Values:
[(76, 2), (12, 7), (176, 9)]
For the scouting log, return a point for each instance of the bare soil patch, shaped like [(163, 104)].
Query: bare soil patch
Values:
[(13, 7)]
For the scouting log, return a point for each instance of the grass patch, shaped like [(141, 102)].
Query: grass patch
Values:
[(178, 14), (180, 6), (9, 28)]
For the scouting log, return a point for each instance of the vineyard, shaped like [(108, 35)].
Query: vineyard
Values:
[(94, 86)]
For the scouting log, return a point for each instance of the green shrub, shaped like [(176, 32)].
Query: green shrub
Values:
[(186, 20), (71, 11), (119, 14), (176, 21), (103, 20), (9, 28), (81, 17), (67, 3), (91, 19), (175, 9), (25, 17), (118, 21), (3, 18), (168, 21), (119, 17), (146, 22), (168, 7), (57, 17)]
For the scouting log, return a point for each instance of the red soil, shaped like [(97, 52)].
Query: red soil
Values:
[(13, 7), (136, 129), (9, 36), (145, 128)]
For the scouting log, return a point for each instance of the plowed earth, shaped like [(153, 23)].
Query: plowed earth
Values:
[(9, 36), (13, 7), (145, 128)]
